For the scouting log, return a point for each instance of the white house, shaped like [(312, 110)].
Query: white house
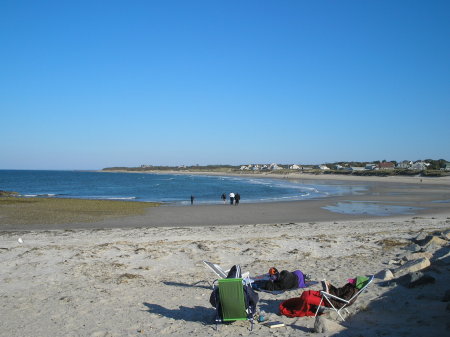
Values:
[(371, 167), (357, 168), (419, 165), (405, 164), (294, 167), (274, 166)]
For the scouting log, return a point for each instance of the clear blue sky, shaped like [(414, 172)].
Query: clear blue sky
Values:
[(92, 84)]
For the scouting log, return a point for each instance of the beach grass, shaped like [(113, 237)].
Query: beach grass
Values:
[(29, 211)]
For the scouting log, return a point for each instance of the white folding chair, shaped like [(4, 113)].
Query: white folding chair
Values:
[(216, 269), (326, 298)]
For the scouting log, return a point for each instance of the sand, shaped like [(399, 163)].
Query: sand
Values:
[(136, 278)]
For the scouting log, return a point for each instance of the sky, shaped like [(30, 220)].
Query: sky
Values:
[(89, 84)]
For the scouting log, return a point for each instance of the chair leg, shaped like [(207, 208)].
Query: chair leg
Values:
[(339, 313), (217, 324), (318, 307)]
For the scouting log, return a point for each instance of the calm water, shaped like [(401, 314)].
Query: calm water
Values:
[(175, 189)]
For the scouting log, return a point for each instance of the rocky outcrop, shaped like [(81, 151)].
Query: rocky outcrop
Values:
[(8, 194), (412, 266)]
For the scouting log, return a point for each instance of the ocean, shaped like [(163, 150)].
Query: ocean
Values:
[(167, 188)]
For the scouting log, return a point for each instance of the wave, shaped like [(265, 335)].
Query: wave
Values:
[(104, 197), (42, 195)]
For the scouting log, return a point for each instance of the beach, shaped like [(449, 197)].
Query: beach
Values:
[(143, 274)]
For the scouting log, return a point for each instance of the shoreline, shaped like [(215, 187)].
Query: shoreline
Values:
[(396, 198)]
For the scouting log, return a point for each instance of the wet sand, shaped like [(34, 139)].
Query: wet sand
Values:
[(417, 199)]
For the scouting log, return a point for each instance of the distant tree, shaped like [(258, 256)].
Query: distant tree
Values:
[(435, 164)]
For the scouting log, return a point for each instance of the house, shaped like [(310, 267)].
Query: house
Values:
[(356, 168), (294, 167), (405, 164), (371, 167), (387, 165), (338, 167), (322, 167), (419, 166), (274, 167), (245, 168), (446, 167)]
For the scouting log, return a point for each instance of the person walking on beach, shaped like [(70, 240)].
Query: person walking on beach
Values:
[(231, 198), (237, 197), (224, 197), (192, 199)]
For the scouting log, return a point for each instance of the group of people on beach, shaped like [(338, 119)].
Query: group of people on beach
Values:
[(306, 304), (234, 198)]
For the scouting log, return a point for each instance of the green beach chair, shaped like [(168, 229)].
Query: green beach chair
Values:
[(233, 303)]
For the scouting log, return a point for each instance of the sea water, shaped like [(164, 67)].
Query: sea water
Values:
[(168, 188)]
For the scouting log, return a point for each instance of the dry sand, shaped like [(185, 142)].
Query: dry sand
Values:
[(151, 281)]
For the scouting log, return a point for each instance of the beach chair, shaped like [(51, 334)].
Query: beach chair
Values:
[(233, 304), (220, 273), (326, 296), (216, 269)]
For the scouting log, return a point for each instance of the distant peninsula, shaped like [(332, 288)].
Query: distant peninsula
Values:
[(423, 168)]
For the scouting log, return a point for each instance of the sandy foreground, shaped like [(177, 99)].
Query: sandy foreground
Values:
[(152, 282)]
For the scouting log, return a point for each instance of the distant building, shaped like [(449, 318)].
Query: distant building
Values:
[(371, 167), (419, 165), (405, 164), (356, 168), (294, 167), (386, 165), (274, 167)]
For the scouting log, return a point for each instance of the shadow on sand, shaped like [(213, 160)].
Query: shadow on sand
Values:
[(195, 314), (187, 285)]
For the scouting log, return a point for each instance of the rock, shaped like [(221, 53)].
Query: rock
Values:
[(8, 194), (324, 325), (442, 257), (417, 255), (396, 262), (433, 244), (412, 266), (420, 237), (446, 235), (413, 247), (416, 279), (385, 275)]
